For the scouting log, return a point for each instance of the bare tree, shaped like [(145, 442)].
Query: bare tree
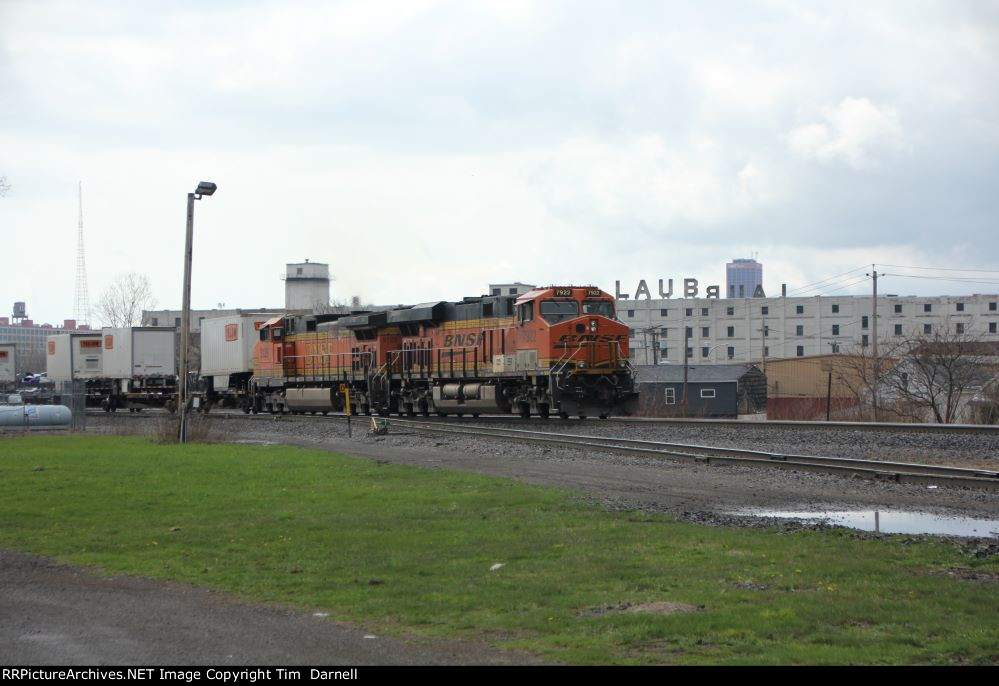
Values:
[(934, 374), (864, 377), (123, 301), (4, 186)]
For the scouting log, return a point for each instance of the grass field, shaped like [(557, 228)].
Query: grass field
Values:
[(408, 551)]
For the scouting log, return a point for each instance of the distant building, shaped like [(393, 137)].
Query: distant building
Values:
[(743, 277), (516, 288), (307, 286), (749, 329), (172, 317)]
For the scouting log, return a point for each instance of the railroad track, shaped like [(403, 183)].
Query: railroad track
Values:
[(749, 425), (898, 472)]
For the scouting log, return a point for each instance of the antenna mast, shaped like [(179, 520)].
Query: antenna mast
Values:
[(81, 306)]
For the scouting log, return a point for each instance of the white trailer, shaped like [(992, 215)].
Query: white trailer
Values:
[(227, 344), (141, 364), (73, 356), (139, 351), (8, 364)]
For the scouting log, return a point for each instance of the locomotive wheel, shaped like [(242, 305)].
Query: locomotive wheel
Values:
[(442, 414), (543, 411), (563, 415), (525, 411), (410, 412), (424, 408), (365, 409), (603, 416)]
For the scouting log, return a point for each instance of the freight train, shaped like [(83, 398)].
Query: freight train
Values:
[(550, 351)]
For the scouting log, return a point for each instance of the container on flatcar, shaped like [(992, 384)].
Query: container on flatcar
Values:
[(74, 356), (8, 364), (227, 346), (139, 351)]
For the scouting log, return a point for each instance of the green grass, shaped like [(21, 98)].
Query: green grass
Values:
[(407, 551)]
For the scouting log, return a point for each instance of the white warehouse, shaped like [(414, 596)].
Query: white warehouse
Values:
[(747, 329)]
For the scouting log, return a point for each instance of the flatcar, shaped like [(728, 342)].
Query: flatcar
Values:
[(555, 350)]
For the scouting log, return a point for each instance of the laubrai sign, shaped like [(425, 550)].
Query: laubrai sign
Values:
[(690, 290)]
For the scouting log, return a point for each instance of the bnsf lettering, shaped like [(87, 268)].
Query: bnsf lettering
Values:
[(591, 338), (460, 340)]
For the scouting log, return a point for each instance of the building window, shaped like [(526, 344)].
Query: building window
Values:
[(707, 393), (704, 351), (766, 351), (765, 310), (631, 313), (731, 352), (835, 330), (799, 330), (704, 312), (663, 353), (898, 309), (689, 332), (835, 309), (690, 352), (960, 307), (156, 321), (927, 328), (863, 322), (705, 332), (663, 313), (496, 291), (671, 396), (688, 312), (731, 332), (864, 341), (731, 310), (799, 309), (631, 333), (766, 331), (992, 307), (835, 347), (898, 329), (664, 331), (927, 307), (801, 351), (992, 327), (960, 328), (176, 321)]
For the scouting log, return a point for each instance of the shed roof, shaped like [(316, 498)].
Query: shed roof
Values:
[(696, 373)]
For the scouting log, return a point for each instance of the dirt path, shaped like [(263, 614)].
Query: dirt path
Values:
[(54, 614)]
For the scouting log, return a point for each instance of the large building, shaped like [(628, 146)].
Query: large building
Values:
[(743, 277), (749, 329)]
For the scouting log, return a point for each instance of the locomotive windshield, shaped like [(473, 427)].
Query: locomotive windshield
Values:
[(555, 311), (601, 307)]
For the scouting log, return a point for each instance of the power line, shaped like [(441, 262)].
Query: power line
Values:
[(940, 269), (811, 286)]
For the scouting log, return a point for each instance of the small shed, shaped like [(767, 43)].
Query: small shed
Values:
[(712, 390)]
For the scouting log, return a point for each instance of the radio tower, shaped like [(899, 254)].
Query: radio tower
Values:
[(81, 307)]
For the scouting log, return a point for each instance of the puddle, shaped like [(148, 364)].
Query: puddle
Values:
[(253, 441), (893, 522)]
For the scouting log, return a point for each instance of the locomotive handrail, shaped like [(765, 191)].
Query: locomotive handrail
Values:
[(327, 369)]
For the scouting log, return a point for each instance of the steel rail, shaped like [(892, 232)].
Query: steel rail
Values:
[(900, 472)]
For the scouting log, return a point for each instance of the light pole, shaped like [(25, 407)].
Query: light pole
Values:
[(204, 188)]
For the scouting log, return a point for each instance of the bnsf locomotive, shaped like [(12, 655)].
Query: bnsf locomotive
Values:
[(557, 350)]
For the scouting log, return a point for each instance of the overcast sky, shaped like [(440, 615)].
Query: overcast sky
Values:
[(427, 148)]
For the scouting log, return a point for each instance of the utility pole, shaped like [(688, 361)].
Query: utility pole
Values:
[(763, 344), (686, 358), (874, 349)]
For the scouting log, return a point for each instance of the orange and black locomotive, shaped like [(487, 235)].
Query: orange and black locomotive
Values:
[(555, 350)]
